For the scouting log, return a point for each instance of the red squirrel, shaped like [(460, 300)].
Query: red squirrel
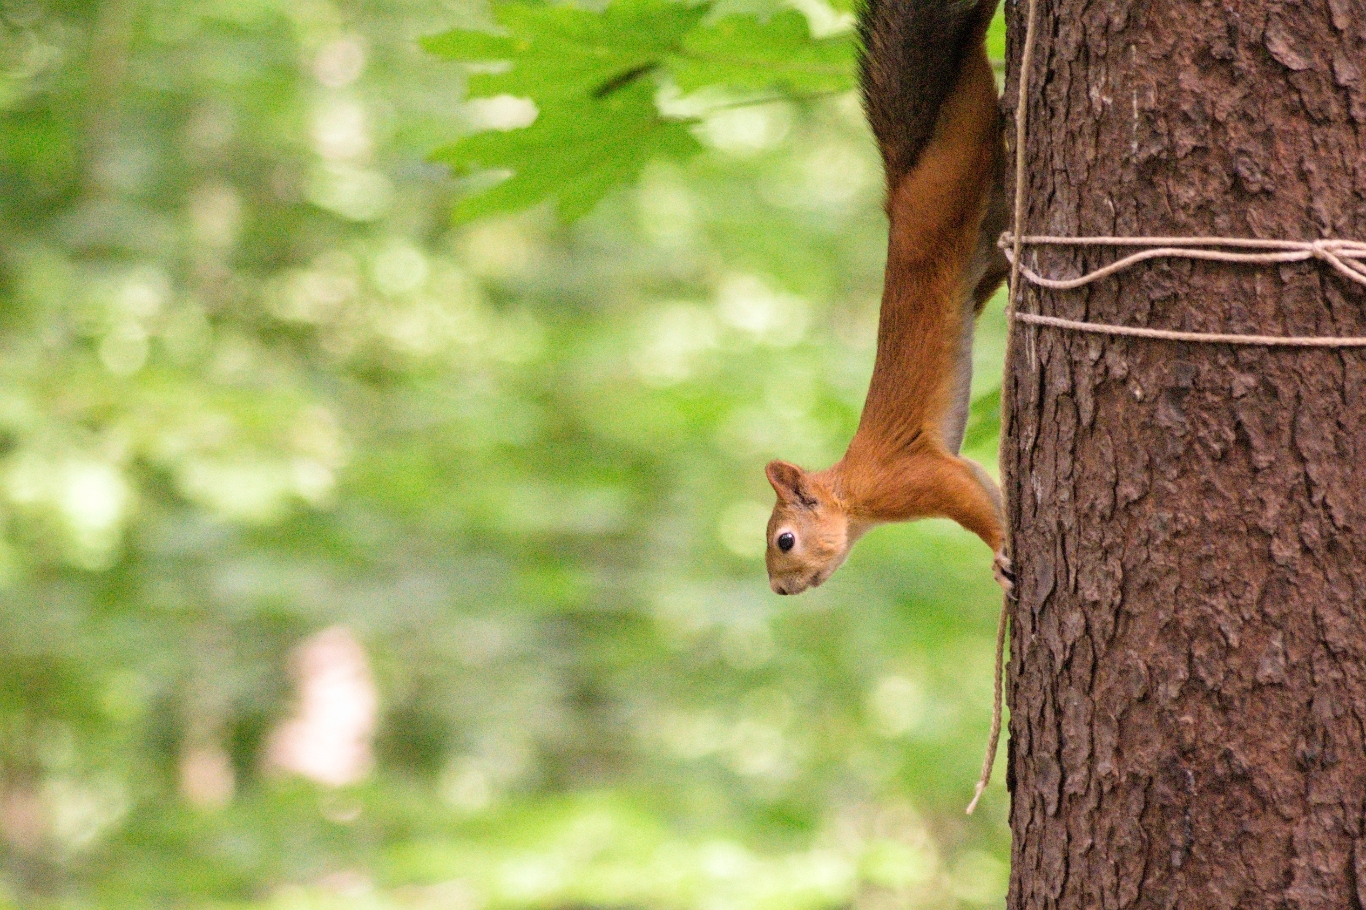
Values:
[(931, 100)]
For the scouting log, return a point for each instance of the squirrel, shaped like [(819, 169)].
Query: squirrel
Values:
[(930, 97)]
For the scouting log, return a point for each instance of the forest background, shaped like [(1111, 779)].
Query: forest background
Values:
[(373, 535)]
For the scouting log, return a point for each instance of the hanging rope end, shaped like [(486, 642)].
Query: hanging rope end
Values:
[(981, 788), (997, 685)]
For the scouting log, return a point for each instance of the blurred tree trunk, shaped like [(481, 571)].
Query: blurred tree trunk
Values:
[(1188, 679)]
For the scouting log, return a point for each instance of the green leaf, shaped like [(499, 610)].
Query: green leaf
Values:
[(996, 36), (560, 52), (573, 153), (472, 47), (744, 53), (592, 77), (984, 419)]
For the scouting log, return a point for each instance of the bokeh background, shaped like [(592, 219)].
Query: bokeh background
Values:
[(352, 557)]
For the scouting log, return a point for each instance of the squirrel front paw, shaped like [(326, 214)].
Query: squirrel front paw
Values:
[(1005, 574)]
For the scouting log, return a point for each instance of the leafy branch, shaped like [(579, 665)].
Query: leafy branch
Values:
[(593, 78)]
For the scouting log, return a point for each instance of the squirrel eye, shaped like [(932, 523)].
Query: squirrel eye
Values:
[(786, 541)]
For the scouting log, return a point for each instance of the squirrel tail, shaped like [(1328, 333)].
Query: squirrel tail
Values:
[(912, 52)]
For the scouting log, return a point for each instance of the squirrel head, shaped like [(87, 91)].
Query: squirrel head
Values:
[(809, 533)]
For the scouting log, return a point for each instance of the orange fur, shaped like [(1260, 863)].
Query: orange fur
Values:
[(900, 464)]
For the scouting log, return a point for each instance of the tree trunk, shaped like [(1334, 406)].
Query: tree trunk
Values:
[(1188, 673)]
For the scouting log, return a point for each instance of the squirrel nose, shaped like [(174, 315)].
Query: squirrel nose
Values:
[(778, 589)]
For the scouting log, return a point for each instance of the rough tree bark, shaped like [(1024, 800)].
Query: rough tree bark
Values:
[(1188, 671)]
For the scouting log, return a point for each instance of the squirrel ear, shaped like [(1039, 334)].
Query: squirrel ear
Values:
[(789, 482)]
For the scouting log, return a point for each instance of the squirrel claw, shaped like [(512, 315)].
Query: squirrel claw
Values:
[(1005, 574)]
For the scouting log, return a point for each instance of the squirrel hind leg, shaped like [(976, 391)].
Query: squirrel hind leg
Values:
[(954, 424), (986, 270), (994, 273), (989, 262)]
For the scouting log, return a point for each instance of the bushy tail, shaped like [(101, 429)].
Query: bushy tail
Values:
[(911, 54)]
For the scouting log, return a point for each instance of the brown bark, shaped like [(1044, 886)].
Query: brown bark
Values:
[(1188, 674)]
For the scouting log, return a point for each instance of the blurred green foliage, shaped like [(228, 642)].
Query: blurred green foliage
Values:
[(255, 385)]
